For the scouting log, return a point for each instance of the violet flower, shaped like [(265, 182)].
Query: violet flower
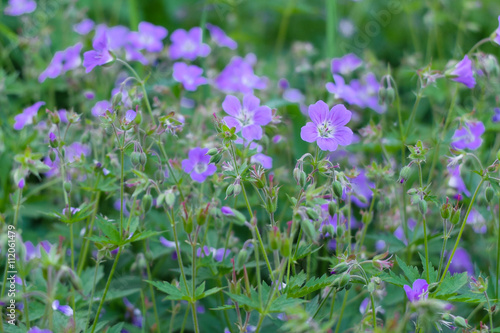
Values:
[(477, 221), (461, 262), (168, 244), (247, 118), (189, 76), (456, 180), (468, 136), (220, 38), (64, 309), (361, 189), (463, 73), (99, 55), (129, 117), (345, 65), (418, 291), (38, 330), (19, 7), (133, 313), (328, 126), (27, 116), (198, 165), (497, 33), (100, 108), (496, 116), (218, 254), (84, 27), (188, 44), (149, 37), (259, 158), (238, 76)]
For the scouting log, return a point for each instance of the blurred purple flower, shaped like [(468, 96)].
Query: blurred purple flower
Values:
[(198, 164), (361, 192), (399, 232), (189, 76), (238, 76), (129, 117), (464, 73), (468, 136), (328, 126), (461, 262), (228, 211), (283, 84), (133, 313), (64, 309), (38, 330), (21, 183), (165, 242), (496, 116), (497, 33), (99, 55), (19, 7), (117, 206), (188, 44), (346, 65), (100, 108), (456, 180), (477, 221), (247, 118), (418, 291), (218, 254), (63, 115), (293, 95), (89, 94), (220, 38), (26, 117), (84, 27), (149, 37), (62, 62)]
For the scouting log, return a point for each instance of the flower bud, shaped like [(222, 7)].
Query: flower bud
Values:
[(230, 191), (188, 225), (340, 268), (237, 189), (215, 158), (433, 287), (202, 217), (382, 95), (313, 215), (286, 249), (242, 258), (212, 151), (329, 229), (309, 229), (52, 155), (460, 322), (135, 158), (404, 174), (147, 201), (143, 159), (455, 216), (169, 198), (445, 211), (422, 207), (367, 217), (390, 95), (340, 231), (159, 176), (337, 189), (489, 193), (67, 186), (332, 208)]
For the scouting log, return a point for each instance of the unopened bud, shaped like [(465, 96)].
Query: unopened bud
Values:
[(332, 208), (340, 268), (147, 201), (337, 189), (455, 216), (391, 95), (67, 186), (212, 151), (422, 207), (460, 322), (313, 215), (489, 193)]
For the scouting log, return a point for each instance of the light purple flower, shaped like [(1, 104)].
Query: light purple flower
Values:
[(30, 251), (399, 232), (477, 221), (74, 152), (464, 73), (165, 242), (293, 95), (220, 38), (456, 180), (27, 116), (188, 44), (149, 37), (129, 116), (38, 330), (73, 210), (347, 64), (20, 7), (461, 262), (84, 27), (418, 291), (238, 76), (100, 108), (283, 84), (361, 189), (247, 118), (198, 164), (218, 254), (21, 183), (496, 116), (99, 55), (497, 33), (228, 211), (117, 206), (468, 136), (89, 94), (189, 76), (133, 313), (62, 62), (328, 126), (64, 309), (63, 115)]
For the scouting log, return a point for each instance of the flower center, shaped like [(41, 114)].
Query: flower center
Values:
[(246, 118), (200, 167), (326, 129)]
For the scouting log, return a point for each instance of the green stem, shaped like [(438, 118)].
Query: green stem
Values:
[(83, 256), (331, 20), (342, 311), (425, 227), (193, 301), (91, 299), (14, 223), (108, 283), (151, 291), (322, 303), (461, 231), (498, 252), (26, 309)]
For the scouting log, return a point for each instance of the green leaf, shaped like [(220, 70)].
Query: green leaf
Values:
[(451, 284), (172, 291), (108, 229), (305, 250), (411, 272), (432, 271), (115, 329), (312, 285)]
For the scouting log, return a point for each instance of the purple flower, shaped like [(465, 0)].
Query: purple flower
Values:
[(189, 76), (461, 262), (496, 116), (84, 27), (456, 180), (38, 330), (64, 309), (74, 152), (238, 76), (129, 116), (293, 95), (73, 210), (361, 189), (89, 94), (418, 291), (198, 164), (21, 183), (27, 116), (63, 115), (20, 7), (134, 313), (468, 136), (399, 232), (100, 108), (99, 55), (218, 254), (477, 221), (165, 242), (220, 38), (497, 33), (247, 119), (346, 64), (149, 37), (463, 73), (52, 137), (328, 126), (62, 62), (228, 211), (188, 44)]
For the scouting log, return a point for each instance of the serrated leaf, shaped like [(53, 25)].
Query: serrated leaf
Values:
[(172, 291), (411, 272), (452, 283), (432, 271), (312, 285), (116, 328), (108, 229), (305, 250)]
